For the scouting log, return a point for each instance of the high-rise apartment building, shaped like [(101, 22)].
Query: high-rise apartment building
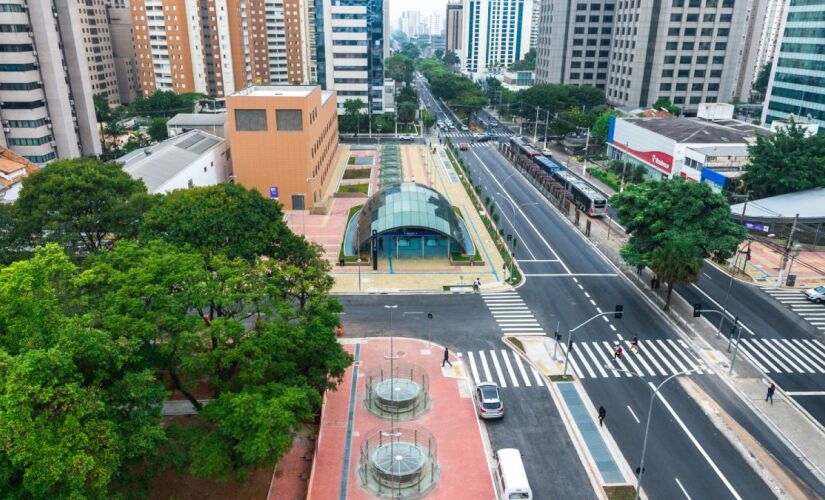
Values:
[(453, 29), (689, 51), (123, 52), (534, 23), (573, 42), (797, 84), (97, 47), (46, 106), (774, 16), (496, 34), (218, 46), (351, 49), (410, 23)]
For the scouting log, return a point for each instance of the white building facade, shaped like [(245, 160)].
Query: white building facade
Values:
[(496, 34)]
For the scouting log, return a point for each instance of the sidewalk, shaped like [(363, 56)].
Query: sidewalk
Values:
[(462, 453)]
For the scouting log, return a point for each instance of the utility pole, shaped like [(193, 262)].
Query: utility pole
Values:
[(788, 247), (536, 126), (586, 147), (546, 123)]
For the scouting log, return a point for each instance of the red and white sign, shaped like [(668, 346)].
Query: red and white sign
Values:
[(656, 159)]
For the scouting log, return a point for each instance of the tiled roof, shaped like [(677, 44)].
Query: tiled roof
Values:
[(13, 168)]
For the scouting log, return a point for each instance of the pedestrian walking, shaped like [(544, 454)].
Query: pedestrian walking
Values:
[(771, 390), (617, 352), (602, 414), (446, 358), (634, 344)]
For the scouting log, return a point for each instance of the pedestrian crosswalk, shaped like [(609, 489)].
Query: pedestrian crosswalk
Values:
[(795, 300), (503, 367), (653, 358), (511, 313), (785, 355)]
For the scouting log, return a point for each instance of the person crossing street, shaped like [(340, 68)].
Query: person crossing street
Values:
[(446, 358)]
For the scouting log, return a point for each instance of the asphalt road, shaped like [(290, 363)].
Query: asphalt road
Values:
[(763, 317), (568, 282)]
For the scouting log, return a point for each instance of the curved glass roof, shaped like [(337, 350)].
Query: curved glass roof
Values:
[(410, 205)]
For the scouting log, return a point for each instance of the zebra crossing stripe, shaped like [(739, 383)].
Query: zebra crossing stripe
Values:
[(484, 365), (473, 367), (778, 357), (651, 344), (583, 362), (618, 361), (788, 353), (752, 358), (509, 368), (753, 352), (630, 362), (572, 362), (537, 376), (502, 381), (817, 346), (817, 365), (521, 370), (601, 360)]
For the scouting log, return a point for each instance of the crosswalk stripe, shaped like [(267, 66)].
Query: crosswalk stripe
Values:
[(473, 368), (618, 361), (502, 382), (630, 361), (751, 347), (484, 365), (745, 350), (537, 376), (690, 361), (786, 353), (646, 354), (521, 370), (652, 345), (778, 357), (673, 356), (582, 360), (817, 346), (514, 320), (818, 365), (600, 360), (509, 368)]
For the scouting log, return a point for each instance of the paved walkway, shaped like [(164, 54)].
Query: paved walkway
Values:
[(766, 262), (345, 421)]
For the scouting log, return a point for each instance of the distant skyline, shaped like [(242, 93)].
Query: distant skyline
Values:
[(426, 7)]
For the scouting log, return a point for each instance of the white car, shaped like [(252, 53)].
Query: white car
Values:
[(546, 152), (816, 294)]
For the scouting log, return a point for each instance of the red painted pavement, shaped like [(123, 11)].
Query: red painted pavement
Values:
[(451, 419)]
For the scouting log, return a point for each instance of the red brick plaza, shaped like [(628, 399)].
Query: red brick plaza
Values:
[(462, 453)]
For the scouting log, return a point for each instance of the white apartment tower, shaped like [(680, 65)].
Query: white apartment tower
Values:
[(496, 34), (351, 48), (46, 90)]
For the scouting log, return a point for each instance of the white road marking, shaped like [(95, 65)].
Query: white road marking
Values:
[(521, 370), (805, 393), (473, 368), (509, 367), (612, 327), (486, 368), (634, 415), (537, 376), (698, 446), (682, 488), (501, 380)]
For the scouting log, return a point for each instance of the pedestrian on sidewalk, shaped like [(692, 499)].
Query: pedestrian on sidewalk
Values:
[(771, 390), (602, 414), (446, 358)]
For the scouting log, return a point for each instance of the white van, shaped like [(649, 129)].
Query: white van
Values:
[(511, 476)]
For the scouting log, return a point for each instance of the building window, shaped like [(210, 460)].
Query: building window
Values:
[(250, 120), (289, 120)]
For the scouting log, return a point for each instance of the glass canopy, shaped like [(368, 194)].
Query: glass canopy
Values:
[(408, 210)]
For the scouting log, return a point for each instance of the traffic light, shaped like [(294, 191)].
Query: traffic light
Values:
[(697, 310), (617, 313)]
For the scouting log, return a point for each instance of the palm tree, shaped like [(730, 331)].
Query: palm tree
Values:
[(677, 260)]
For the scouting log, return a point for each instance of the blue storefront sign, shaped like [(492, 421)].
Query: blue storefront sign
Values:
[(755, 226), (273, 192)]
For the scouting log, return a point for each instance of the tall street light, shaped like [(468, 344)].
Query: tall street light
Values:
[(392, 355), (513, 223), (654, 393)]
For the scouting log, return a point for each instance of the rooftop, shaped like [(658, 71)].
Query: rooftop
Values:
[(13, 169), (198, 119), (698, 131), (157, 164), (809, 204), (734, 150), (277, 91)]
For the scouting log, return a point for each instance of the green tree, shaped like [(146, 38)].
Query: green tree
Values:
[(157, 130), (439, 53), (601, 126), (760, 85), (102, 110), (410, 50), (664, 104), (84, 204), (785, 162), (351, 120), (528, 63), (450, 58), (77, 408), (227, 218), (657, 213), (407, 111), (400, 68)]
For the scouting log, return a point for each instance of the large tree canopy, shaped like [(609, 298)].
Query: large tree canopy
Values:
[(788, 161), (675, 224), (226, 218), (84, 204)]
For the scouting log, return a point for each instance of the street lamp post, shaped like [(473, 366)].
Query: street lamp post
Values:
[(617, 313), (513, 223), (359, 273), (392, 357), (654, 393)]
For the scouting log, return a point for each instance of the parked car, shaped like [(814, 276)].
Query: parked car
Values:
[(546, 152), (483, 138), (816, 294), (406, 138), (488, 400)]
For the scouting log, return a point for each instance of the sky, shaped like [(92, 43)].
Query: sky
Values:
[(426, 7)]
